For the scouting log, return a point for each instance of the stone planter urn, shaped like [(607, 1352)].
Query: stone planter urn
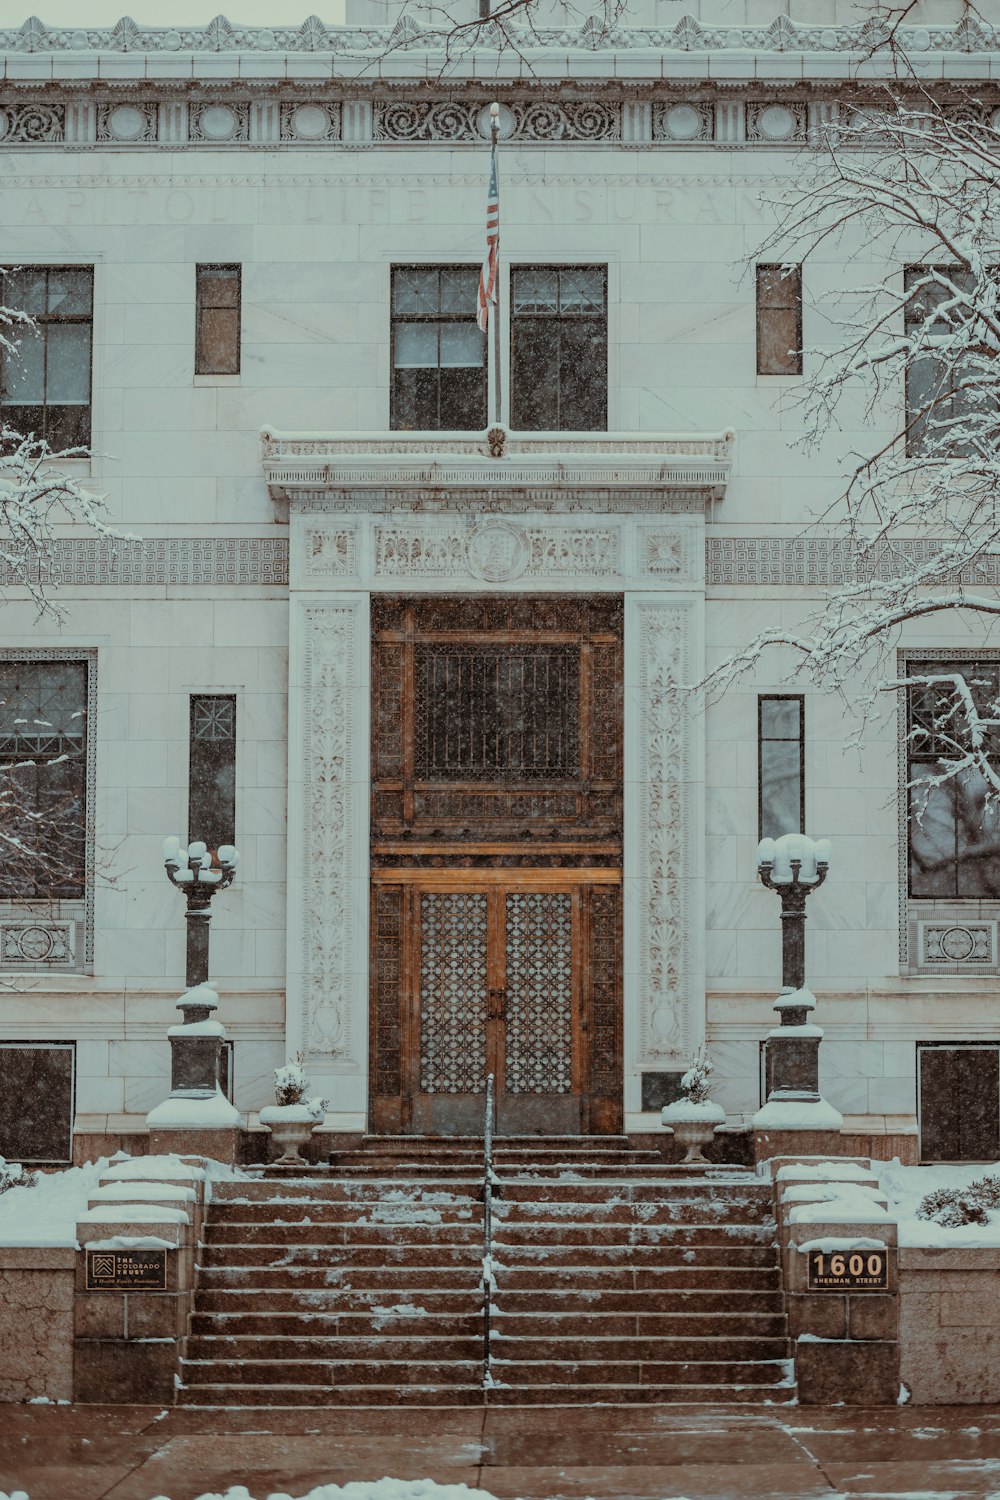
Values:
[(291, 1125), (693, 1125)]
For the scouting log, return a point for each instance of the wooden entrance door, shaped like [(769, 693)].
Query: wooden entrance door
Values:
[(496, 863), (510, 974)]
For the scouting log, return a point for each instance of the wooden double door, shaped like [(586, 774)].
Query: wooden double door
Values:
[(514, 974), (496, 864)]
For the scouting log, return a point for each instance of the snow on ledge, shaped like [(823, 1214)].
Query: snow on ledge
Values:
[(798, 1114), (152, 1169), (826, 1171), (209, 1112), (130, 1242), (827, 1192), (832, 1244), (840, 1211), (132, 1213), (134, 1190)]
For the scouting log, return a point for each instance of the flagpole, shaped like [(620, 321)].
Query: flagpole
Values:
[(495, 308)]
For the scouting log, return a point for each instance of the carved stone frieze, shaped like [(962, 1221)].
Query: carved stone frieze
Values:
[(221, 123), (663, 554), (667, 998), (592, 34), (593, 471), (685, 122), (37, 944), (957, 944), (134, 123), (496, 551), (776, 123), (459, 120), (825, 561), (330, 554), (102, 561), (310, 122), (32, 123)]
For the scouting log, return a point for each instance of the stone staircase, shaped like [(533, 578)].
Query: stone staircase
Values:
[(616, 1279)]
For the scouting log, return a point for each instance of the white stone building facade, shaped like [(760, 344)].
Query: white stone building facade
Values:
[(272, 506)]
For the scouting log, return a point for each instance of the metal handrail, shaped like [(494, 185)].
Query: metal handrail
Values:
[(487, 1229)]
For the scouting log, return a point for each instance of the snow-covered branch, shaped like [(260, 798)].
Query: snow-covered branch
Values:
[(38, 492), (909, 182)]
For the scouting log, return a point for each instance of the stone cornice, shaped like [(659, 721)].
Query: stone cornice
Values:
[(687, 37), (548, 471)]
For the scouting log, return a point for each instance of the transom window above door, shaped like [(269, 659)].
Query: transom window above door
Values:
[(438, 353)]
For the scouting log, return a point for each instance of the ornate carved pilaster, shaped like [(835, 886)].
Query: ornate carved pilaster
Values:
[(663, 844), (327, 820)]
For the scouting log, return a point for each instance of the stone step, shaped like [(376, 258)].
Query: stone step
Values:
[(321, 1187), (508, 1230), (405, 1372), (611, 1278), (661, 1325), (270, 1396), (296, 1251), (267, 1396), (248, 1232), (391, 1254), (364, 1302), (505, 1348), (382, 1321), (615, 1191), (760, 1394), (333, 1372), (418, 1143), (356, 1278), (386, 1321), (646, 1300), (621, 1193), (373, 1347)]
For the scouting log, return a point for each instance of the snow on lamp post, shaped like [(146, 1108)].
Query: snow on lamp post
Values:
[(793, 866), (196, 1101), (192, 871)]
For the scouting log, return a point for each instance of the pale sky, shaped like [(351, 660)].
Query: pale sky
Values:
[(170, 12)]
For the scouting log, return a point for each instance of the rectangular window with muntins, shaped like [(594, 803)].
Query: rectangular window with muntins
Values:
[(212, 769), (218, 301), (45, 384), (438, 352), (779, 320), (43, 778), (781, 764), (559, 348)]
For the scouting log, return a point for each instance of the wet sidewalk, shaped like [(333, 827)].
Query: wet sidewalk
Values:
[(703, 1453)]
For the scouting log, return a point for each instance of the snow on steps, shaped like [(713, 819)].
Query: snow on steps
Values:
[(617, 1280)]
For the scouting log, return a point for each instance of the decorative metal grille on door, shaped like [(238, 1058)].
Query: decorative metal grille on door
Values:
[(539, 950), (453, 992)]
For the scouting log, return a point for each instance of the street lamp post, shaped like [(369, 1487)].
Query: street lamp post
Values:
[(195, 1046), (793, 866), (192, 871)]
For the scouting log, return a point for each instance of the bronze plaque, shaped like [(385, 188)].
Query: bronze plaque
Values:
[(126, 1270), (848, 1271)]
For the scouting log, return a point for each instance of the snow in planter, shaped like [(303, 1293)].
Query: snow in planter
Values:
[(291, 1086)]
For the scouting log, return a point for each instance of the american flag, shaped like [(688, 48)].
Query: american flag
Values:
[(488, 275)]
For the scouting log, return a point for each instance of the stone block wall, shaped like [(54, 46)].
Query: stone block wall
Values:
[(949, 1326), (36, 1323)]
